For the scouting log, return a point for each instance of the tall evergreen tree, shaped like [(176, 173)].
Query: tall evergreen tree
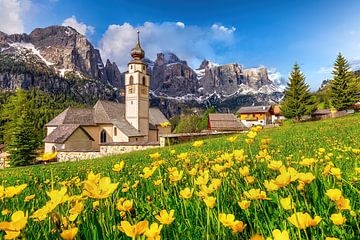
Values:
[(23, 142), (297, 97), (343, 86)]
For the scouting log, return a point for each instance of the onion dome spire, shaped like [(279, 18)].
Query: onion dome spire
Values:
[(137, 53)]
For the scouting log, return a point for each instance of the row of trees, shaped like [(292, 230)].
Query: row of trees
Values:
[(22, 119), (343, 91)]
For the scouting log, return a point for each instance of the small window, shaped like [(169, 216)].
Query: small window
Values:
[(131, 66), (115, 131), (144, 68), (143, 81), (131, 82), (103, 136)]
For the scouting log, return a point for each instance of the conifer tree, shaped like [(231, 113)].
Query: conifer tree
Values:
[(23, 142), (298, 100), (343, 87)]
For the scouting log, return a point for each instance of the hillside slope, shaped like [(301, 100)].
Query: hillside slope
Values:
[(316, 157)]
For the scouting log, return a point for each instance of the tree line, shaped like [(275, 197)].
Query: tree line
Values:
[(342, 92)]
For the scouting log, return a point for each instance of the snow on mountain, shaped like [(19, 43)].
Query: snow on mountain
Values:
[(22, 46)]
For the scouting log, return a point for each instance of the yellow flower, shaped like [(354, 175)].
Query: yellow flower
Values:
[(306, 177), (176, 176), (98, 188), (307, 162), (251, 134), (249, 141), (343, 203), (148, 172), (29, 198), (192, 172), (336, 172), (58, 196), (165, 218), (182, 156), (226, 219), (157, 182), (133, 230), (280, 235), (18, 222), (11, 191), (210, 201), (265, 141), (244, 204), (186, 193), (256, 237), (238, 226), (271, 186), (337, 219), (332, 238), (164, 124), (5, 212), (155, 155), (283, 180), (118, 166), (334, 194), (287, 203), (275, 165), (69, 234), (254, 194), (231, 139), (153, 233), (244, 171), (95, 204), (124, 205), (303, 220), (198, 143), (11, 234)]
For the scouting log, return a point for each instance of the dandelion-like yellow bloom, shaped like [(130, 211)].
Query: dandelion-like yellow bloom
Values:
[(306, 177), (155, 155), (226, 219), (176, 176), (244, 204), (11, 191), (251, 135), (249, 140), (153, 233), (244, 171), (135, 230), (275, 165), (287, 203), (336, 172), (332, 238), (148, 172), (280, 235), (231, 139), (209, 201), (303, 220), (118, 166), (270, 186), (337, 219), (198, 143), (29, 198), (98, 188), (256, 237), (343, 203), (186, 193), (334, 194), (254, 194), (283, 180), (17, 223), (164, 124), (124, 205), (69, 234), (166, 218)]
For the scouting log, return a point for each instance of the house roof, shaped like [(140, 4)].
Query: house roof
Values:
[(225, 121), (63, 132), (322, 112), (254, 109), (156, 117), (107, 111)]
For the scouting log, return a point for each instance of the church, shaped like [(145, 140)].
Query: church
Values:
[(110, 125)]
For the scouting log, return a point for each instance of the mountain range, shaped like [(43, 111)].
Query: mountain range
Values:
[(60, 60)]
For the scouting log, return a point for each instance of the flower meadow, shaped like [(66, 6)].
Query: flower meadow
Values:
[(298, 181)]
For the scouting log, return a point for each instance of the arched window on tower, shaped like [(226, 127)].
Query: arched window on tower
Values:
[(131, 80), (143, 81), (103, 136)]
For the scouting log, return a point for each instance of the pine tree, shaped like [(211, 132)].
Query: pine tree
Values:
[(298, 100), (23, 142), (343, 86)]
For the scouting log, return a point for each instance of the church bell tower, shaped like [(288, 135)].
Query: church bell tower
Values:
[(137, 83)]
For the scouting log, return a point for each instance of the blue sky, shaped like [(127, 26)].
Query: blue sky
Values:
[(275, 34)]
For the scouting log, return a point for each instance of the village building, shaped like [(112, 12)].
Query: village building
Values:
[(277, 116), (224, 122), (110, 127), (255, 115), (4, 157)]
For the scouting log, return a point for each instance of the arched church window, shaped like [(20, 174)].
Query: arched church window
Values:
[(131, 66), (143, 80), (103, 136), (131, 80)]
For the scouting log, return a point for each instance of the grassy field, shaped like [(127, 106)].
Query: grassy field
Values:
[(298, 181)]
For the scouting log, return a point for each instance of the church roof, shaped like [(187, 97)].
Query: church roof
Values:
[(104, 112), (63, 132)]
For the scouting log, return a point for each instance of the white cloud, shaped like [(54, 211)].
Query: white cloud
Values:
[(11, 15), (78, 26), (325, 70), (180, 24), (191, 43), (276, 77)]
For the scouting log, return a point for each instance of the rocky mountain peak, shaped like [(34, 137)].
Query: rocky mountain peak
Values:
[(167, 58)]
